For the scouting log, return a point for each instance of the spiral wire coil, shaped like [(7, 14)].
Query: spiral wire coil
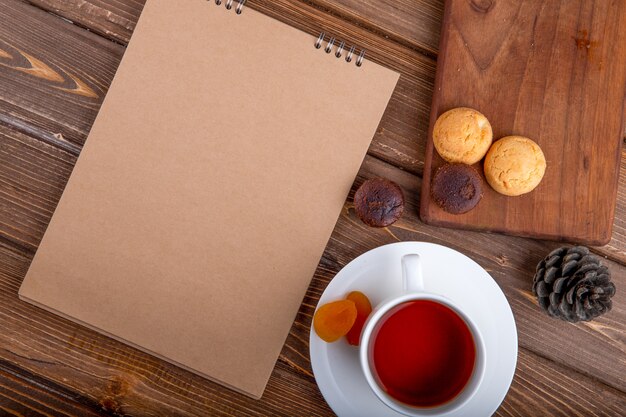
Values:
[(229, 5), (341, 45), (340, 48)]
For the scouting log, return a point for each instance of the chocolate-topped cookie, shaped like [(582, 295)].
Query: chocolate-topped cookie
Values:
[(379, 202), (457, 188)]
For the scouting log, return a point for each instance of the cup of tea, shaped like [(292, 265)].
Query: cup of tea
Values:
[(420, 353)]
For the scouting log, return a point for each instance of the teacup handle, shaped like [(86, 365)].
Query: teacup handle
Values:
[(412, 276)]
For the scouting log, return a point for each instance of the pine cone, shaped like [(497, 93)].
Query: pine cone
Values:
[(572, 284)]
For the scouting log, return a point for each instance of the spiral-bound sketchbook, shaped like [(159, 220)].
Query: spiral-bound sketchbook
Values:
[(209, 186)]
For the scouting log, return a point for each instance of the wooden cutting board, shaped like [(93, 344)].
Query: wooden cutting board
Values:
[(554, 71)]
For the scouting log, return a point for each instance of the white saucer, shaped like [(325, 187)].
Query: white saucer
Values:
[(447, 272)]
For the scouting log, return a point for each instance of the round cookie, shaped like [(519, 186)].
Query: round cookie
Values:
[(379, 202), (514, 165), (456, 188), (462, 135)]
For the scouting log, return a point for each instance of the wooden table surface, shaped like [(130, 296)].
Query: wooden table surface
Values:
[(57, 59)]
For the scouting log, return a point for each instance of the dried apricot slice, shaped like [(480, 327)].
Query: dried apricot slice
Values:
[(363, 309), (334, 320)]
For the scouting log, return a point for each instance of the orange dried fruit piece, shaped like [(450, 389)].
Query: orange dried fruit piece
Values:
[(334, 320), (363, 309)]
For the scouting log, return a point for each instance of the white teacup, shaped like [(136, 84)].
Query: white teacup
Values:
[(413, 287)]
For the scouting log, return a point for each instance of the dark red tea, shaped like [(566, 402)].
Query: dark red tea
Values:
[(423, 353)]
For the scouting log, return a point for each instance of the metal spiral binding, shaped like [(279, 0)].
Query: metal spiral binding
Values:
[(361, 58), (349, 57), (318, 44), (240, 6), (329, 47), (340, 48), (229, 5)]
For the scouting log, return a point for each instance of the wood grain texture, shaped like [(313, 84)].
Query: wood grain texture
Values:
[(581, 377), (551, 71), (32, 179), (22, 395), (52, 89), (616, 249), (413, 23), (547, 381), (112, 19)]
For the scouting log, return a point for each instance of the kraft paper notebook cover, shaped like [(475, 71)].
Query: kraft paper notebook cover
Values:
[(208, 188)]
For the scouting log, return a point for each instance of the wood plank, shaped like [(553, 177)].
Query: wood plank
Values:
[(539, 386), (616, 249), (57, 90), (32, 179), (563, 69), (113, 19), (23, 394)]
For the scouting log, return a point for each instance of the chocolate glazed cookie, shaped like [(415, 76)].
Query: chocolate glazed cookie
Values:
[(379, 202), (456, 188)]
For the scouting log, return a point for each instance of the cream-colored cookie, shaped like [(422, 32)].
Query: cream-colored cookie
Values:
[(514, 165), (462, 135)]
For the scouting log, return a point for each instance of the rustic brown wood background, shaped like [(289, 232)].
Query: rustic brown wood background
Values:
[(57, 59)]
